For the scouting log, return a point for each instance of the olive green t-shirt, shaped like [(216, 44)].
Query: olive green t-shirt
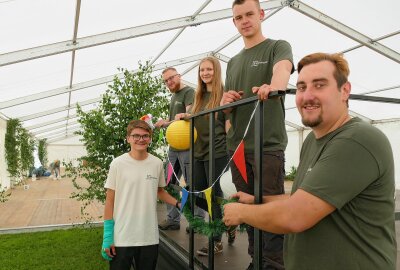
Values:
[(351, 168), (253, 67), (202, 125), (179, 101)]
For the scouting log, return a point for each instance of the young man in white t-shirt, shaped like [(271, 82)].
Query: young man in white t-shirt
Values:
[(134, 182)]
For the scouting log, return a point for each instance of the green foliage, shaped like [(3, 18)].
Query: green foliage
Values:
[(104, 129), (292, 174), (4, 194), (27, 147), (42, 152), (214, 227), (57, 250), (12, 154), (19, 147)]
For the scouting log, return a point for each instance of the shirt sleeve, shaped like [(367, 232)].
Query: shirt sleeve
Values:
[(283, 51), (189, 98)]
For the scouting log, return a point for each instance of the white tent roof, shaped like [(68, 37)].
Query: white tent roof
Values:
[(54, 54)]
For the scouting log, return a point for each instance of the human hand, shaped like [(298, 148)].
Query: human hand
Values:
[(232, 214), (243, 197), (262, 91), (108, 253), (181, 116), (160, 123), (230, 96), (108, 248)]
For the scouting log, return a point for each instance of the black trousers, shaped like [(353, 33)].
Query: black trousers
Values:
[(273, 184), (143, 258)]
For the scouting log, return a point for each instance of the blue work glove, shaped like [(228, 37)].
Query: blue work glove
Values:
[(108, 238)]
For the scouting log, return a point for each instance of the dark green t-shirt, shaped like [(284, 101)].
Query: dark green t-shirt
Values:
[(179, 101), (202, 124), (253, 67), (351, 168)]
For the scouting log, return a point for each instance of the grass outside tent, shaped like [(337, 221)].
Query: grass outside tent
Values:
[(73, 249)]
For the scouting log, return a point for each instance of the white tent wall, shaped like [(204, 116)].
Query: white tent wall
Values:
[(4, 178), (65, 153)]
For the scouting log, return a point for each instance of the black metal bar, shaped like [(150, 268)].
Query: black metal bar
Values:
[(258, 183), (211, 171), (374, 99), (292, 91), (191, 197), (241, 102)]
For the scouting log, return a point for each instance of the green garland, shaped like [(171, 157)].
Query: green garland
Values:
[(214, 227)]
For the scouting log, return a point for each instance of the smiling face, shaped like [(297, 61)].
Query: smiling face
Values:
[(139, 139), (320, 102), (172, 80), (247, 18), (206, 72)]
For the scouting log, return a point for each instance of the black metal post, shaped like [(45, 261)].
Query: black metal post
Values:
[(258, 187), (191, 197), (210, 181)]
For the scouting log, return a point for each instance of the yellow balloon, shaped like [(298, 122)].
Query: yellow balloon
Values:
[(178, 134)]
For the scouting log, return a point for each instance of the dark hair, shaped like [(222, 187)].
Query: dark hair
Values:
[(341, 72), (241, 2), (138, 124)]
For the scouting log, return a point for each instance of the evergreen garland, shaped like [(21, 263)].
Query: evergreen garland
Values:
[(214, 227)]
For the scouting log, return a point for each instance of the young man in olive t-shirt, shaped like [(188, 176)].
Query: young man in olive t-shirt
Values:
[(263, 64)]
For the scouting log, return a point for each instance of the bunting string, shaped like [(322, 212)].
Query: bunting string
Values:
[(227, 165)]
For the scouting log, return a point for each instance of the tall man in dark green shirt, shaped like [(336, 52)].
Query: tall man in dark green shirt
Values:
[(340, 214), (263, 65)]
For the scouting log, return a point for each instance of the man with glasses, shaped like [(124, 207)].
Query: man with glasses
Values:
[(135, 181), (181, 100)]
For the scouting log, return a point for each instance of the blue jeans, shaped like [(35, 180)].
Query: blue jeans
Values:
[(180, 161)]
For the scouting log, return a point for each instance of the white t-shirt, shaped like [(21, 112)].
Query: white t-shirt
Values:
[(135, 183)]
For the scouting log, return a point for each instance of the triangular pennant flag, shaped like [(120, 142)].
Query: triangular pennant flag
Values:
[(238, 158), (207, 192), (184, 198), (169, 172)]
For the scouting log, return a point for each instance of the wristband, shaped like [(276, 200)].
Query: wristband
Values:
[(108, 238)]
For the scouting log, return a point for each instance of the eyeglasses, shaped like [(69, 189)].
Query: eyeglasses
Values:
[(137, 137), (169, 78)]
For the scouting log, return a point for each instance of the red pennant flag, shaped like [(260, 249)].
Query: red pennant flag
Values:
[(238, 158), (169, 172)]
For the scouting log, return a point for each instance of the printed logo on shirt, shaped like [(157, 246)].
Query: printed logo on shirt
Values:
[(256, 63), (150, 177)]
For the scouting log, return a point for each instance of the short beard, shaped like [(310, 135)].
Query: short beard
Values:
[(312, 123), (176, 89)]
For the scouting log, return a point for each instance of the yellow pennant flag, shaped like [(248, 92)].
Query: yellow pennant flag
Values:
[(208, 198)]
